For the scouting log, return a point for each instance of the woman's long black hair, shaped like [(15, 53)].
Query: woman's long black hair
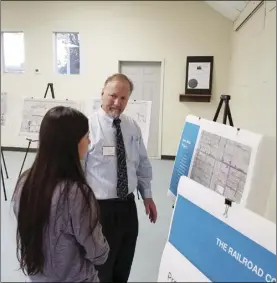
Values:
[(57, 162)]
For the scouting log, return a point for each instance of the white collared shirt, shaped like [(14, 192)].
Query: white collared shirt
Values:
[(101, 169)]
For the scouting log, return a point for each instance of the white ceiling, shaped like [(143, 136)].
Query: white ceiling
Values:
[(229, 9)]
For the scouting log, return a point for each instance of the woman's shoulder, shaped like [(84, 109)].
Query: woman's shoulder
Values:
[(75, 192)]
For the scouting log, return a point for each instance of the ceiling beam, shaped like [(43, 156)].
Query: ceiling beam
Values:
[(247, 13)]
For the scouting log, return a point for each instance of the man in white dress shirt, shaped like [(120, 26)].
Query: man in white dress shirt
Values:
[(116, 166)]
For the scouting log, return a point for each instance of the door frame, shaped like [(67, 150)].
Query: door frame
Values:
[(162, 62)]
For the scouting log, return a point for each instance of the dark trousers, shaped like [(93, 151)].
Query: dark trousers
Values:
[(119, 222)]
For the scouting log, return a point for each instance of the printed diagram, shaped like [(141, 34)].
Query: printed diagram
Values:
[(140, 111), (137, 112), (140, 118), (221, 165), (3, 108), (34, 111)]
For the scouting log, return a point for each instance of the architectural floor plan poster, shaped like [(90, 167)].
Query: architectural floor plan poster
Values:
[(238, 248), (218, 156), (221, 164), (34, 111)]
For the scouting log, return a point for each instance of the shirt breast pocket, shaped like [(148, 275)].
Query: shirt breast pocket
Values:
[(133, 149)]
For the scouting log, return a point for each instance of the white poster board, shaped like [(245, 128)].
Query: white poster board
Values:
[(206, 246), (3, 108), (139, 110), (224, 159), (34, 111)]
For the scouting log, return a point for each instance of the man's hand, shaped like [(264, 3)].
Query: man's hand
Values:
[(150, 209)]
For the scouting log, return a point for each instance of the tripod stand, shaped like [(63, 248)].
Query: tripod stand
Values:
[(51, 87), (2, 175), (227, 111)]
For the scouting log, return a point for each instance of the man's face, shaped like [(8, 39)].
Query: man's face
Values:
[(115, 97)]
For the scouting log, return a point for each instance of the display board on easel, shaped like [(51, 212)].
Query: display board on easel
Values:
[(220, 157), (139, 110), (35, 109), (225, 159), (215, 235), (33, 112)]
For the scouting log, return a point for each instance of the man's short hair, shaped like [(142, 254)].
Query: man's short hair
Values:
[(120, 77)]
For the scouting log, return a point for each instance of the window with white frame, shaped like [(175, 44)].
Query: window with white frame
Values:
[(67, 50), (13, 52)]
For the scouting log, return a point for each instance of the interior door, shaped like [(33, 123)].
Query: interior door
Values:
[(146, 77)]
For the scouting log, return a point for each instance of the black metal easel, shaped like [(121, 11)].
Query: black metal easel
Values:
[(226, 114), (2, 175), (51, 87), (227, 111)]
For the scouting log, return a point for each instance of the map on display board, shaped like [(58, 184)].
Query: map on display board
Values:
[(139, 110), (35, 109), (3, 108), (207, 245), (217, 156), (221, 164)]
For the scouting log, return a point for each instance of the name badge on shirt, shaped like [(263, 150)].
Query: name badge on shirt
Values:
[(108, 150)]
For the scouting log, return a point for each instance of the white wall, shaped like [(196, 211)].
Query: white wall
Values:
[(245, 61), (253, 87), (162, 30)]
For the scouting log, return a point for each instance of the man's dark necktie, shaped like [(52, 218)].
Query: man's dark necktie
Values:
[(122, 175)]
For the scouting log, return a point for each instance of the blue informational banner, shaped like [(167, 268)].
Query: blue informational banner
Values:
[(184, 154), (216, 249)]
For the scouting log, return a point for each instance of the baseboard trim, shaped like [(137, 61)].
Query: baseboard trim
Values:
[(168, 157), (18, 149)]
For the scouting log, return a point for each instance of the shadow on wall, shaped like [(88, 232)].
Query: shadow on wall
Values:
[(263, 177)]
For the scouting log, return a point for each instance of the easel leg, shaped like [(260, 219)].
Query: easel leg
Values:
[(48, 85), (230, 117), (25, 158), (225, 113), (3, 184), (218, 110), (4, 162)]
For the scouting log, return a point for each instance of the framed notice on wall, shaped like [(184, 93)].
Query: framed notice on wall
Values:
[(199, 74)]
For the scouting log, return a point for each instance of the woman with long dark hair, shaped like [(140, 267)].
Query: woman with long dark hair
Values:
[(59, 238)]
